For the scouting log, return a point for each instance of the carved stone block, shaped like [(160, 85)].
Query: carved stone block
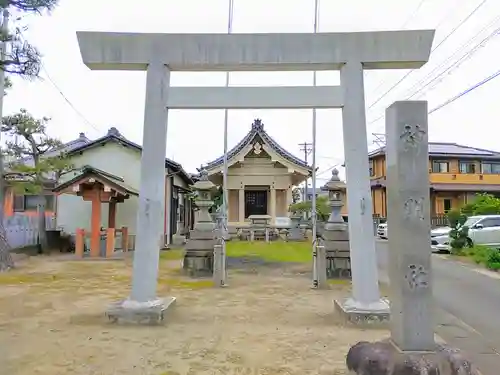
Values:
[(408, 217)]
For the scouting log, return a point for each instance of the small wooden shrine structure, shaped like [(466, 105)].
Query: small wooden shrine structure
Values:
[(98, 187)]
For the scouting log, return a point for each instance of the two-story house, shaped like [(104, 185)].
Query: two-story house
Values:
[(456, 174)]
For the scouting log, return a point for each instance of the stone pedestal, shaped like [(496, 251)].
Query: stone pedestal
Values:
[(199, 258), (199, 250), (260, 227), (338, 257), (295, 233)]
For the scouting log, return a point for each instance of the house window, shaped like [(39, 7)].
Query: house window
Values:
[(439, 166), (447, 205), (30, 202), (490, 168), (372, 168), (467, 167)]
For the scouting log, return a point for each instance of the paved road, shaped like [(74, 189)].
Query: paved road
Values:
[(473, 298)]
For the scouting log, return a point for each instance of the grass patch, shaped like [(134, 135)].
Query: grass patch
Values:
[(483, 255), (278, 251), (186, 284), (172, 254), (17, 278)]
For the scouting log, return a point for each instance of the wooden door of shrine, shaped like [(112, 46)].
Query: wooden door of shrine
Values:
[(255, 202)]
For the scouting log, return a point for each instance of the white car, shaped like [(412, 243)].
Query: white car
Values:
[(483, 230), (382, 231)]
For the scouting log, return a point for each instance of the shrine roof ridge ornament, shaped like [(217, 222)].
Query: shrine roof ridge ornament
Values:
[(405, 49), (257, 129)]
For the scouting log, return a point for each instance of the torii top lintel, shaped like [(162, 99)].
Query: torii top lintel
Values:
[(408, 49)]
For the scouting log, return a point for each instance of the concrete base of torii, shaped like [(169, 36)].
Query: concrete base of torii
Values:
[(372, 314), (150, 312)]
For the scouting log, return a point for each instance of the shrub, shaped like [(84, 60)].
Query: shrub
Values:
[(493, 260), (487, 256), (459, 234), (479, 254)]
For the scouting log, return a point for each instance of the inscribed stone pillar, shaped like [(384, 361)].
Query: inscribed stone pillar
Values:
[(365, 290), (408, 217), (241, 205)]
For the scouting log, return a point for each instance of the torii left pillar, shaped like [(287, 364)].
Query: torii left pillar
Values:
[(143, 304)]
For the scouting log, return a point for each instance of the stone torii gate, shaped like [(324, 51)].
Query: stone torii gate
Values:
[(160, 54)]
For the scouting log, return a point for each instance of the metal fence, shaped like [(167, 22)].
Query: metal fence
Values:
[(22, 230), (436, 221)]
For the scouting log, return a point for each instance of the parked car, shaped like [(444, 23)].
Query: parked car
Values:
[(382, 231), (483, 230)]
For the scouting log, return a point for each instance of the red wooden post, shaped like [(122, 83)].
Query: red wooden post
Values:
[(79, 242), (110, 242), (124, 239), (95, 239)]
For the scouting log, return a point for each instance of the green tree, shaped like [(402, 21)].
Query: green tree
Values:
[(323, 210), (295, 195), (483, 204), (36, 160), (17, 57)]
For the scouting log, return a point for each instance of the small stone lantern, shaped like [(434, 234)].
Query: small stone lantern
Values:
[(205, 189), (198, 259), (336, 233), (336, 195)]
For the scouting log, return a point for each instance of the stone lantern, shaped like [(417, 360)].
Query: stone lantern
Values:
[(336, 232), (336, 195), (198, 259)]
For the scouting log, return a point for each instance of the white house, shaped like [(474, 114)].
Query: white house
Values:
[(118, 159)]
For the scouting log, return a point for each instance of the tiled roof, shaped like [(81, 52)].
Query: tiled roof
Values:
[(257, 130), (118, 183), (114, 135), (446, 149)]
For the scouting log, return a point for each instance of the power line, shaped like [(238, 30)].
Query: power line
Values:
[(465, 92), (67, 100), (56, 86), (433, 50), (408, 20), (454, 66), (463, 58)]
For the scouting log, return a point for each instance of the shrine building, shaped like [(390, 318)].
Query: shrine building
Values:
[(261, 176)]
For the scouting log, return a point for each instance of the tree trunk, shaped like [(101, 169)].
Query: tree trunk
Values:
[(42, 226), (6, 261)]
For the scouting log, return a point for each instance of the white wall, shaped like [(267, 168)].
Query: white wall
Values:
[(73, 212)]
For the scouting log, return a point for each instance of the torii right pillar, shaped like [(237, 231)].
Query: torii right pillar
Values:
[(365, 304)]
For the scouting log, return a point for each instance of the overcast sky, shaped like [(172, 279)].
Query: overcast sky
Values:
[(105, 99)]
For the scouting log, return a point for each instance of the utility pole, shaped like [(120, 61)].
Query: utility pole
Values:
[(306, 148)]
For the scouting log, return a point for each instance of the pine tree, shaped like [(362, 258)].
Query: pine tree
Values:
[(17, 57), (37, 160)]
